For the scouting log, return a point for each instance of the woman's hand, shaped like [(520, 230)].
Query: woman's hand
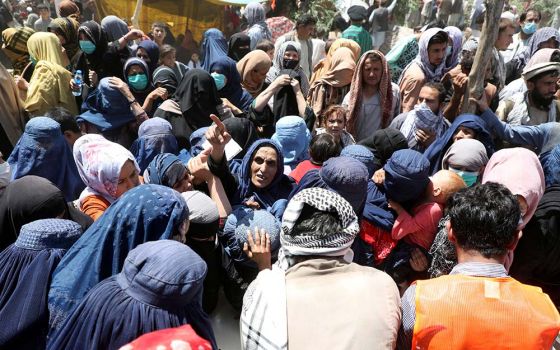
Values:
[(117, 83), (93, 78), (295, 85), (280, 82), (231, 106), (159, 92), (21, 83), (379, 177), (258, 249), (134, 34), (198, 167), (218, 136)]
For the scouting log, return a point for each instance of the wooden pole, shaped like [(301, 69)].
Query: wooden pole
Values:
[(136, 14), (484, 54)]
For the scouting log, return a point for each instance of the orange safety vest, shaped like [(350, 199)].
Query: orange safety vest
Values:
[(464, 312)]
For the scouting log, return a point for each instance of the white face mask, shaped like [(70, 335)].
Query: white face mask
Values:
[(5, 174)]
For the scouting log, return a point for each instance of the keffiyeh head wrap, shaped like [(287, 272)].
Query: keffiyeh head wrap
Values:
[(15, 41), (336, 244), (385, 92), (423, 60)]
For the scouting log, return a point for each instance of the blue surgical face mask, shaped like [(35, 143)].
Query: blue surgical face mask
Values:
[(529, 28), (33, 60), (469, 177), (87, 46), (219, 79), (138, 82)]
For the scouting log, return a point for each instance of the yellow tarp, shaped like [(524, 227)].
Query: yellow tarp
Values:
[(196, 15)]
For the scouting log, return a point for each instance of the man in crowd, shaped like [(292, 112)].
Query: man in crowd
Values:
[(495, 310), (356, 31), (44, 20), (528, 23)]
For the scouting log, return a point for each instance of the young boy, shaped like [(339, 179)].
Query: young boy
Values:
[(333, 122), (321, 148)]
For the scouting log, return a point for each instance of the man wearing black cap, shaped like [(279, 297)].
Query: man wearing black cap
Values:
[(356, 31)]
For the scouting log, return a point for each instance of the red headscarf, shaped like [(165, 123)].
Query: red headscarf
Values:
[(183, 337)]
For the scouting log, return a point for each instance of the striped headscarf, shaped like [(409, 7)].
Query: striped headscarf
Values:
[(385, 92), (15, 41)]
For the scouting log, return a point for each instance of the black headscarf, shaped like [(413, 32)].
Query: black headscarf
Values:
[(165, 77), (97, 36), (243, 131), (28, 199), (237, 40), (383, 143), (197, 97)]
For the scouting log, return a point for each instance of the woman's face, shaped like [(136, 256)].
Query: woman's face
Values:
[(82, 36), (259, 75), (159, 33), (185, 184), (264, 167), (169, 59), (143, 54), (464, 133), (291, 55), (134, 70), (128, 178), (335, 124)]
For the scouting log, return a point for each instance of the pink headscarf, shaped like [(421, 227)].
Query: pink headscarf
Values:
[(521, 172)]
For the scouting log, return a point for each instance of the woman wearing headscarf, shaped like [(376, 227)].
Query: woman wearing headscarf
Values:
[(257, 27), (467, 158), (166, 169), (195, 99), (253, 69), (286, 93), (239, 45), (43, 151), (107, 169), (148, 51), (146, 213), (138, 76), (317, 259), (293, 137), (228, 82), (536, 253), (334, 84), (68, 8), (372, 97), (467, 126), (49, 85), (33, 198), (66, 29), (160, 286), (154, 137), (187, 48), (320, 68), (166, 78), (114, 28), (13, 115), (260, 182), (14, 45), (544, 38), (383, 143), (214, 45), (26, 269)]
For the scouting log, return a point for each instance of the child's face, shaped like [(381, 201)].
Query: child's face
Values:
[(169, 60), (194, 57), (335, 124)]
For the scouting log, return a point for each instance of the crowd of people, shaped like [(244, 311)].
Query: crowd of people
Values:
[(334, 190)]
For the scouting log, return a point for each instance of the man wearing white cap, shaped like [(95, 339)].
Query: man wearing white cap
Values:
[(538, 104)]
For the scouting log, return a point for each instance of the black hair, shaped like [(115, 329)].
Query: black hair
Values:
[(439, 87), (553, 73), (313, 222), (42, 7), (484, 218), (467, 59), (265, 45), (322, 147), (523, 15), (555, 57), (439, 38), (305, 20), (63, 117)]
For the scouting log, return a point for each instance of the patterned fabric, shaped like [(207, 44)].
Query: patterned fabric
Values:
[(422, 59), (183, 337), (154, 137), (279, 26), (99, 163), (67, 27), (385, 91), (335, 244), (48, 233), (400, 57), (165, 169), (15, 41)]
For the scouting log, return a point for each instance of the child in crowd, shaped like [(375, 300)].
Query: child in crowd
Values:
[(321, 148), (168, 58), (333, 121), (418, 228), (194, 62)]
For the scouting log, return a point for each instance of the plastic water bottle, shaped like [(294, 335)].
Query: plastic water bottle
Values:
[(78, 80)]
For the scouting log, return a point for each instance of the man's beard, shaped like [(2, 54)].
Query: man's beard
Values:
[(541, 102)]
